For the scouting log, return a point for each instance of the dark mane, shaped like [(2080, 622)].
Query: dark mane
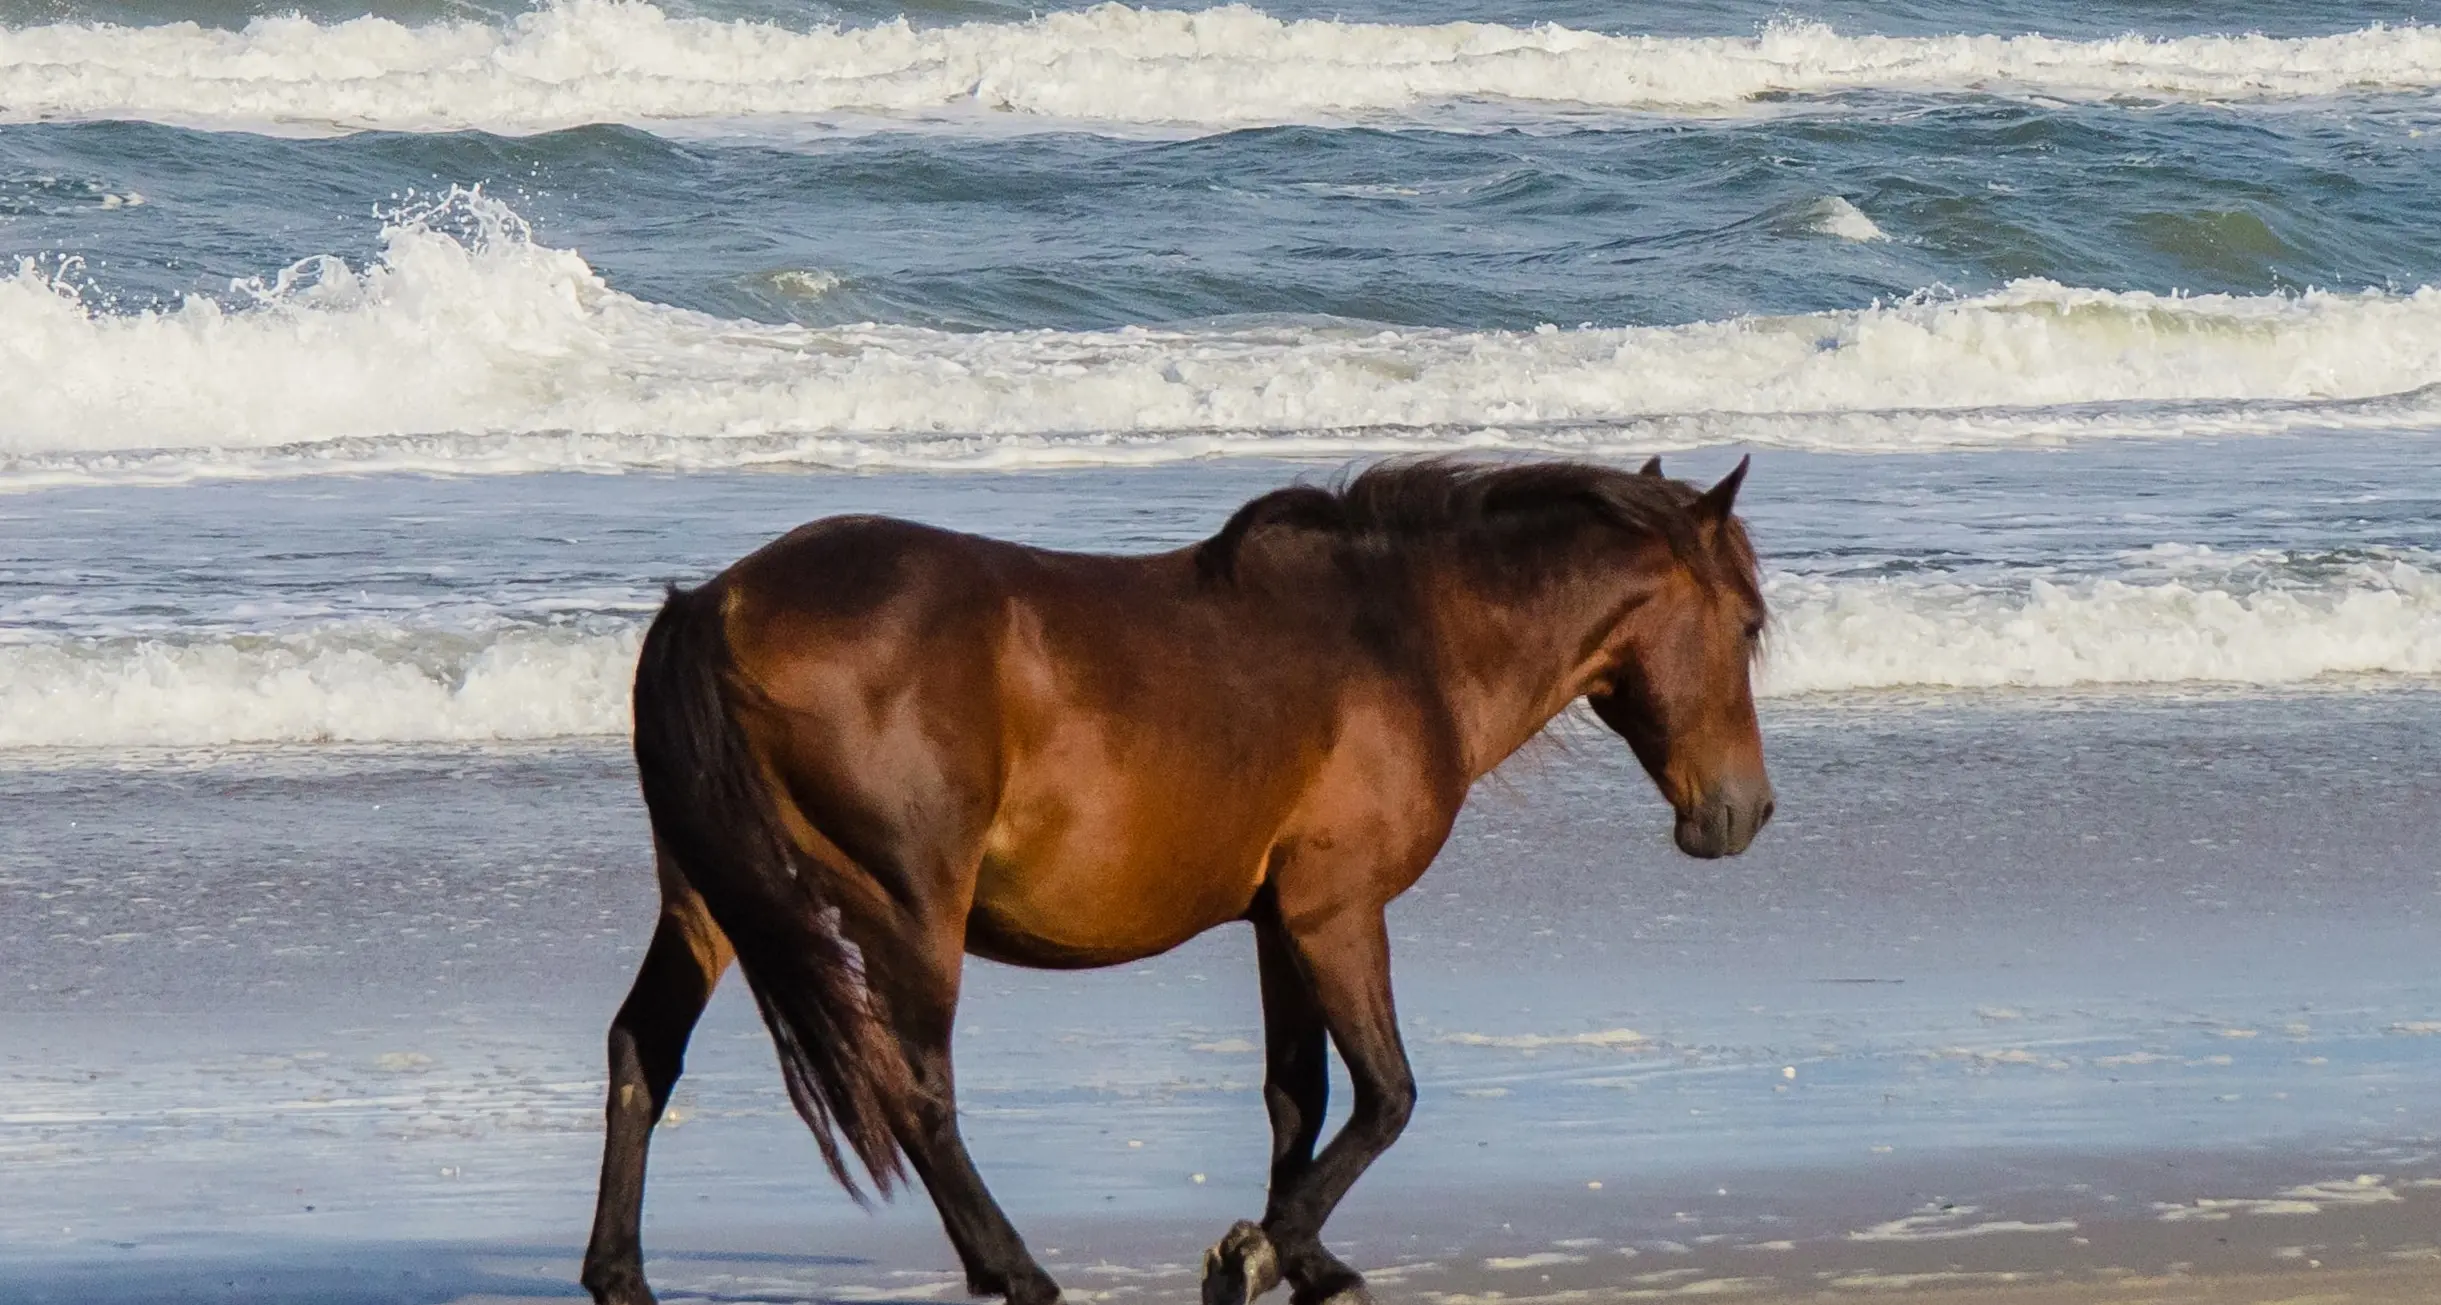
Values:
[(1505, 508)]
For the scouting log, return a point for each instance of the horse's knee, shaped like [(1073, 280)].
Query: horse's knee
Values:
[(1390, 1107)]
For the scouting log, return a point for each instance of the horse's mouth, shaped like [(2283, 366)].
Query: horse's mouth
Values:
[(1719, 827)]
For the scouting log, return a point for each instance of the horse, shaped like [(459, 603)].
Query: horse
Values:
[(872, 748)]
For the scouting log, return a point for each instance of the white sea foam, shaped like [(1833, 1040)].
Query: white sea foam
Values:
[(1835, 216), (2376, 618), (356, 682), (1537, 1260), (2309, 1198), (1610, 1038), (1949, 1223), (369, 681), (581, 61), (469, 347)]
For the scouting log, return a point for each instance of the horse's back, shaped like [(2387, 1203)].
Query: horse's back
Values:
[(880, 599), (1110, 746)]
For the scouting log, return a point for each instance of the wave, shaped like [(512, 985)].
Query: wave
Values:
[(378, 683), (2374, 618), (469, 347), (1833, 215), (582, 61), (349, 682)]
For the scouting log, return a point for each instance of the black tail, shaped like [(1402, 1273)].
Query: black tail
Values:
[(713, 816)]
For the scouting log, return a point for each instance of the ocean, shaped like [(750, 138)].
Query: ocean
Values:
[(366, 371)]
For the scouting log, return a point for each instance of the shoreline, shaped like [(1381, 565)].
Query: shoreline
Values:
[(1439, 1247)]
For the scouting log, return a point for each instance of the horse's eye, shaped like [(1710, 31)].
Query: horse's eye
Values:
[(1754, 631)]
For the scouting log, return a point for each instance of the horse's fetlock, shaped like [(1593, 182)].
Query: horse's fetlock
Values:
[(1027, 1286), (615, 1281), (1308, 1266)]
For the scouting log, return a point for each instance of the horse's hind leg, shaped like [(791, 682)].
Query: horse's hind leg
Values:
[(920, 985), (648, 1040)]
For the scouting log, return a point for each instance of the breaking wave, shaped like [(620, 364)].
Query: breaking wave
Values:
[(2373, 618), (581, 61), (469, 347), (346, 682), (377, 683)]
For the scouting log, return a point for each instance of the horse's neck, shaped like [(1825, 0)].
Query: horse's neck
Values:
[(1513, 661)]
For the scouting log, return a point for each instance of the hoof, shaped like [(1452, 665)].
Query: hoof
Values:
[(1242, 1267), (1026, 1285), (1340, 1286)]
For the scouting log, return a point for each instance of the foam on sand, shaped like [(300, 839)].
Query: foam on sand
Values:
[(1536, 1260), (580, 61), (2308, 1198), (383, 682), (468, 346), (1950, 1223), (1610, 1038)]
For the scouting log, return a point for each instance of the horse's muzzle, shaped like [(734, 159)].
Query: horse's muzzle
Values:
[(1726, 821)]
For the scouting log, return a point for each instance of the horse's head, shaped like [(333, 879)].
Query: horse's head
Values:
[(1678, 688)]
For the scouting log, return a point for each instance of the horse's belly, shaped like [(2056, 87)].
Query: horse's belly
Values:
[(1083, 910)]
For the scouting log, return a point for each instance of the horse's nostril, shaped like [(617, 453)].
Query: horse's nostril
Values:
[(1769, 806)]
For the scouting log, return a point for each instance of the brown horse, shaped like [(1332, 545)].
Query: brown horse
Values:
[(871, 748)]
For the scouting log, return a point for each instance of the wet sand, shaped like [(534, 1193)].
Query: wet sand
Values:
[(1436, 1250), (2106, 996)]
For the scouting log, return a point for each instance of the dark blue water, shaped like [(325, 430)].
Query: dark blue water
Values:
[(1688, 222)]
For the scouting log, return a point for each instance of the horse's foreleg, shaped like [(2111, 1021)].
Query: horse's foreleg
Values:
[(1346, 960), (648, 1040), (923, 1008), (1296, 1093)]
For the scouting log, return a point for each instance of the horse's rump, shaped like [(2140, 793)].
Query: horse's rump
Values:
[(713, 815)]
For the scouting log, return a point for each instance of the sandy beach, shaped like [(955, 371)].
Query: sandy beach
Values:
[(2033, 1001)]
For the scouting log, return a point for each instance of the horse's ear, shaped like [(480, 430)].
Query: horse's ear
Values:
[(1718, 500), (1652, 466)]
